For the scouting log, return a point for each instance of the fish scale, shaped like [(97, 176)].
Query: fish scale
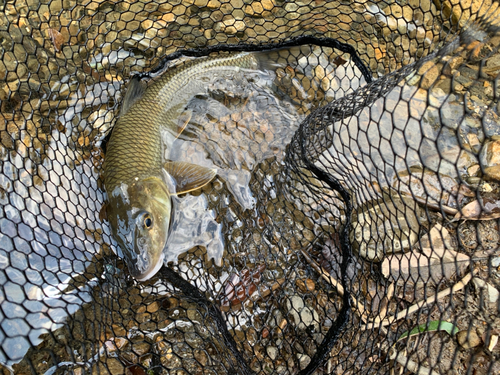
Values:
[(135, 148), (133, 151), (138, 183)]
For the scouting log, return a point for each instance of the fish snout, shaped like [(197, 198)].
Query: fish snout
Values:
[(141, 265), (149, 267), (143, 261), (137, 263)]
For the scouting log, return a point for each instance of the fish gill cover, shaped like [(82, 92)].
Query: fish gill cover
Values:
[(352, 226)]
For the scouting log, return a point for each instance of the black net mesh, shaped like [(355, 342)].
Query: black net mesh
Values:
[(352, 227)]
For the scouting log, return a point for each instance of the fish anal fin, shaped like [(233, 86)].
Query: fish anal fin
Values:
[(188, 177)]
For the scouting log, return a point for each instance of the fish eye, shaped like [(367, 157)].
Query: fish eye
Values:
[(148, 221)]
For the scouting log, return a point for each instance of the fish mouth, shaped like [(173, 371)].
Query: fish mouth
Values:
[(151, 271), (143, 269)]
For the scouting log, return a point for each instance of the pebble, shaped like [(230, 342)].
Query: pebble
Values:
[(141, 348), (154, 307), (119, 330), (303, 316), (490, 155), (450, 111), (214, 4), (468, 339), (304, 360), (430, 73), (272, 352), (492, 292), (452, 64), (268, 4), (474, 170), (490, 159), (305, 286), (491, 343)]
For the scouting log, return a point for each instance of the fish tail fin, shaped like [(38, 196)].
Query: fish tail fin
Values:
[(282, 57), (135, 91)]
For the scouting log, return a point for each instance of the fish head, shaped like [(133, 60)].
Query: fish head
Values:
[(139, 216)]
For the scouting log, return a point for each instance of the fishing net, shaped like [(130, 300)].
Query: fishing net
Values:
[(352, 228)]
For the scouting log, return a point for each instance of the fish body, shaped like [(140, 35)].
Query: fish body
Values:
[(138, 182)]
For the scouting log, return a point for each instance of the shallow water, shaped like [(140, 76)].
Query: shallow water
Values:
[(51, 229), (64, 77), (392, 137)]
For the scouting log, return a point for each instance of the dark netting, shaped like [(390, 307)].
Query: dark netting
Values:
[(352, 227)]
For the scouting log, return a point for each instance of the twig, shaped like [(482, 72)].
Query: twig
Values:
[(334, 283), (264, 292), (323, 273), (385, 302), (435, 206), (410, 310)]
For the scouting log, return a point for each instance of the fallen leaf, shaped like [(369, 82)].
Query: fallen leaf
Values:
[(57, 39), (239, 287), (419, 267), (493, 342), (339, 61), (434, 326)]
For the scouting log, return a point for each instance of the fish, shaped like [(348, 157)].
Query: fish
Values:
[(138, 179)]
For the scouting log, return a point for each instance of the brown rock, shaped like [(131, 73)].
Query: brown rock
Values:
[(214, 4), (491, 154), (305, 286), (468, 339), (154, 307), (492, 172), (430, 73), (121, 342), (141, 348), (452, 65), (111, 366), (490, 159), (268, 4), (119, 330), (474, 170)]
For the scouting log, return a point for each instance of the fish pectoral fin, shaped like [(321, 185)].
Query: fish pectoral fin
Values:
[(135, 91), (182, 121), (103, 213), (188, 177)]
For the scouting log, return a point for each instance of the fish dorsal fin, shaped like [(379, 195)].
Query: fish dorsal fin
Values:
[(135, 91), (187, 177)]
